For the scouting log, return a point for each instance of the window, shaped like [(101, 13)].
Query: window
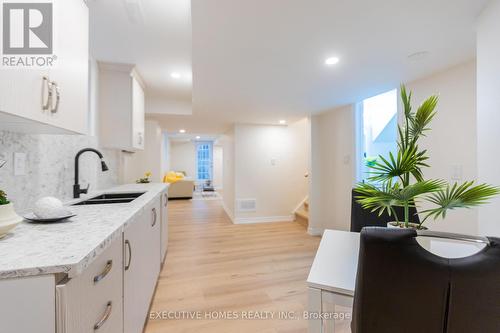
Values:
[(377, 130), (204, 153)]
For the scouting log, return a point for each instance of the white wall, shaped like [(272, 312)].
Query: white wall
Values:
[(332, 169), (218, 166), (452, 141), (156, 104), (148, 160), (166, 149), (183, 157), (228, 182), (270, 163), (488, 111)]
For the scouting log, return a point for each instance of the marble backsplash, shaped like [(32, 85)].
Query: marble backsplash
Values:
[(50, 166)]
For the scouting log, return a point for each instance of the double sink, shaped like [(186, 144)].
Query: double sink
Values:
[(110, 198)]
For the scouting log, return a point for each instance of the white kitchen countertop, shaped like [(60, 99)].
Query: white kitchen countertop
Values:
[(70, 246)]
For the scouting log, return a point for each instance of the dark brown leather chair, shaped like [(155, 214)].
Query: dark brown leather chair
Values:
[(403, 288)]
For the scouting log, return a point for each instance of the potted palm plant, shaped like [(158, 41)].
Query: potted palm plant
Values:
[(398, 180), (8, 217)]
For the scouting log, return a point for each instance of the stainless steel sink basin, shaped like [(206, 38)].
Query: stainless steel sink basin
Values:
[(110, 198)]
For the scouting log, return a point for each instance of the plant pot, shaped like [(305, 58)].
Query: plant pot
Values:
[(8, 219), (401, 225)]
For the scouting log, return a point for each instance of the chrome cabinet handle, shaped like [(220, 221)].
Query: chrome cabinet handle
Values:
[(46, 93), (141, 140), (107, 313), (55, 87), (166, 200), (155, 216), (127, 243), (105, 272)]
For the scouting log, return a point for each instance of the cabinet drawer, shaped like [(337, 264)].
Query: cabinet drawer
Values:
[(94, 297)]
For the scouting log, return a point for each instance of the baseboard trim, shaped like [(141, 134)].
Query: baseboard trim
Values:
[(315, 231), (226, 210), (264, 219)]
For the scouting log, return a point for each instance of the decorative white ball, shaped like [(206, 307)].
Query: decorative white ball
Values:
[(49, 207)]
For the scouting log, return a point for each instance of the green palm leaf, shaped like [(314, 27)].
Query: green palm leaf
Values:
[(411, 192), (376, 199), (424, 115), (391, 195), (406, 99), (407, 161), (465, 195)]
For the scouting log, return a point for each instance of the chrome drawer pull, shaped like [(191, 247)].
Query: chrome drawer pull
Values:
[(107, 269), (57, 93), (105, 317), (127, 243), (166, 199), (46, 93)]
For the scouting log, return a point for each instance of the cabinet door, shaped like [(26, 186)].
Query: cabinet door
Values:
[(21, 93), (154, 215), (27, 304), (93, 301), (164, 226), (137, 114), (71, 72), (142, 266)]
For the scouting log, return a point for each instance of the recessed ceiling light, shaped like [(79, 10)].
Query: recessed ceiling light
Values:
[(198, 137), (332, 61), (182, 131), (175, 75), (282, 122)]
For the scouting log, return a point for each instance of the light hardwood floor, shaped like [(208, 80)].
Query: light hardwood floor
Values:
[(214, 265)]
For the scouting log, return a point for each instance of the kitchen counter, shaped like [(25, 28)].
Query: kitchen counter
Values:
[(70, 246)]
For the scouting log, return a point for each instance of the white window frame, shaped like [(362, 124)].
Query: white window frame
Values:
[(211, 165)]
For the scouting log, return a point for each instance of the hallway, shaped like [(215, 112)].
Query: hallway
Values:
[(214, 266)]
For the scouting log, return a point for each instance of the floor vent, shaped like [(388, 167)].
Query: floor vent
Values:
[(246, 205)]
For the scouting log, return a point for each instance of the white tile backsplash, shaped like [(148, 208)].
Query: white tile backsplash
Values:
[(49, 169)]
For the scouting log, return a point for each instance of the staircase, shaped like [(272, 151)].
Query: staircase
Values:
[(302, 214)]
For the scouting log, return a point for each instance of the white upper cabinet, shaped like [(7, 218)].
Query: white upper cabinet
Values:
[(121, 107), (52, 99)]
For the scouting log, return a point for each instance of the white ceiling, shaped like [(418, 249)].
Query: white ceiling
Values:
[(153, 34), (260, 61)]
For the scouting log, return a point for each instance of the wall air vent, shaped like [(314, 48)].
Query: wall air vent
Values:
[(246, 205)]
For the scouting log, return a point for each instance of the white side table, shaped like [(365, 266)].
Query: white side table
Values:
[(332, 279)]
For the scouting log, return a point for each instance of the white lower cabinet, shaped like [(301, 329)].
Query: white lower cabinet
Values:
[(92, 302), (112, 295), (142, 266)]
